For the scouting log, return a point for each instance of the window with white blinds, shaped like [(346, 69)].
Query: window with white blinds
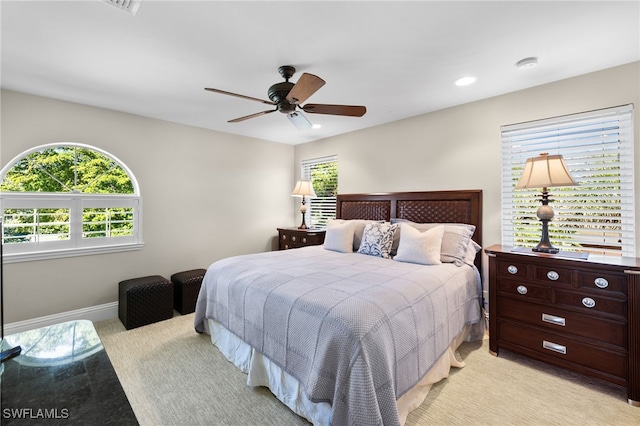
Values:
[(597, 216), (323, 173)]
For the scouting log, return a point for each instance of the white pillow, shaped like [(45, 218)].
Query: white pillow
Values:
[(359, 229), (455, 240), (339, 236), (420, 247), (472, 250)]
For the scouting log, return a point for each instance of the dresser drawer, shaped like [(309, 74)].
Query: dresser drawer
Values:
[(560, 347), (553, 275), (561, 321), (591, 303), (512, 269), (602, 283), (295, 238), (524, 290)]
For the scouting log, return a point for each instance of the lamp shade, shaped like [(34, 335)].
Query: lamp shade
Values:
[(545, 171), (303, 188)]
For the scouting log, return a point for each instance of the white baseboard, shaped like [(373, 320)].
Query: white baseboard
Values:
[(92, 313)]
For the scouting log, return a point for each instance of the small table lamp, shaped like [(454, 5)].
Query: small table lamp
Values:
[(543, 172), (303, 188)]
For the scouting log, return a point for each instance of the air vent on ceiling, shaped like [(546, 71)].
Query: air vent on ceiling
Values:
[(129, 6)]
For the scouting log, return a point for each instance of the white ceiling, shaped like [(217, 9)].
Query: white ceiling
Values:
[(399, 59)]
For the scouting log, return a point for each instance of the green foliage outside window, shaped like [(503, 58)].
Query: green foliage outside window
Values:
[(325, 184), (66, 169), (325, 179)]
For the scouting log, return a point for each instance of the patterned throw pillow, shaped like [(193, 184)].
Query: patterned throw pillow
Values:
[(377, 239)]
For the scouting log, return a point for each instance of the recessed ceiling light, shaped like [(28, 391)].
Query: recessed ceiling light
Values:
[(316, 126), (465, 81), (527, 63)]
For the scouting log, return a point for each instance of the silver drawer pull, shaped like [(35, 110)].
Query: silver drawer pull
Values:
[(588, 302), (293, 238), (304, 240), (553, 319), (522, 289), (512, 269), (554, 347), (553, 275), (601, 282)]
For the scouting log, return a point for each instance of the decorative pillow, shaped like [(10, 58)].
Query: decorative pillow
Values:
[(377, 239), (420, 247), (455, 240), (359, 229), (339, 236)]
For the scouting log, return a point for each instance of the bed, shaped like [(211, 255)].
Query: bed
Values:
[(350, 333)]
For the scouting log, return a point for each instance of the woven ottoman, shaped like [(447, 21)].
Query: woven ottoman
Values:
[(186, 286), (145, 300)]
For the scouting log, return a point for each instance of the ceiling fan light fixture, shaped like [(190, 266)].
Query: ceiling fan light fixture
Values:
[(465, 81), (527, 63), (299, 120)]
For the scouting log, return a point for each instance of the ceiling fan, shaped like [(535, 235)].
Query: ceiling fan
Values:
[(287, 97)]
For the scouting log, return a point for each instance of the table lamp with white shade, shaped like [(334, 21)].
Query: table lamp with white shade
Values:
[(545, 171), (304, 188)]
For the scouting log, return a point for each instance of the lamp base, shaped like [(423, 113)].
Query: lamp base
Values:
[(550, 250), (303, 211), (544, 246)]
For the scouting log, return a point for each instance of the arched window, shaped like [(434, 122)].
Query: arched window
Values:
[(68, 199)]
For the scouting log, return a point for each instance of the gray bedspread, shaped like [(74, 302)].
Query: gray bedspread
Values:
[(356, 331)]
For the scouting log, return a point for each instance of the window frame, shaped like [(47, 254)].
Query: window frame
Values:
[(76, 245), (319, 202), (588, 141)]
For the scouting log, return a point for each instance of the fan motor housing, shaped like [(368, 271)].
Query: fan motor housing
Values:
[(279, 91)]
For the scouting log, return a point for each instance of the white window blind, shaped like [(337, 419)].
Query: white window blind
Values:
[(597, 216), (323, 173)]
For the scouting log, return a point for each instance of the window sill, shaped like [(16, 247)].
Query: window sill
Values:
[(57, 254)]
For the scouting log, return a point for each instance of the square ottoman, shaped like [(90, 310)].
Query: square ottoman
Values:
[(186, 286), (145, 300)]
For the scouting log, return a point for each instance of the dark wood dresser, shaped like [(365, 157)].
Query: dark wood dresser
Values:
[(580, 314), (294, 238)]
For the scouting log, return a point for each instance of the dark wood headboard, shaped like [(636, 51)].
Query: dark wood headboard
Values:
[(422, 207)]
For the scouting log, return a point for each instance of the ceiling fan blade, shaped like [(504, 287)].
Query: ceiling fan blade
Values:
[(307, 85), (239, 96), (246, 117), (299, 120), (349, 110)]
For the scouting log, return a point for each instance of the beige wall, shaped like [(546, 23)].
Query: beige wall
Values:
[(210, 180), (459, 147), (199, 190)]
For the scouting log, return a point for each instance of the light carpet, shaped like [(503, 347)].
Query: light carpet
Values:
[(174, 376)]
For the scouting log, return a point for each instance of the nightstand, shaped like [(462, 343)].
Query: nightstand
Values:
[(579, 314), (294, 238)]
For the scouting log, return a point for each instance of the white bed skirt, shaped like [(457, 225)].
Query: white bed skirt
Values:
[(262, 372)]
